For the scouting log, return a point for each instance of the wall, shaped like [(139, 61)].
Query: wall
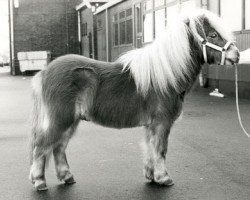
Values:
[(115, 51), (225, 74), (243, 39), (213, 5), (45, 25), (87, 17)]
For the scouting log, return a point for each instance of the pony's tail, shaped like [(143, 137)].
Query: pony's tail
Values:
[(37, 134), (37, 101)]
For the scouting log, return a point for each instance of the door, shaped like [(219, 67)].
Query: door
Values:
[(101, 45)]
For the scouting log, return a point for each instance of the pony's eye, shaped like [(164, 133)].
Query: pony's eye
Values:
[(213, 35)]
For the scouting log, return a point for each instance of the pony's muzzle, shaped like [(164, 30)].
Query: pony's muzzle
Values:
[(232, 55)]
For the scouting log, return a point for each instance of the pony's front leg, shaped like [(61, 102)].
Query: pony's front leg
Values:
[(149, 161), (156, 144)]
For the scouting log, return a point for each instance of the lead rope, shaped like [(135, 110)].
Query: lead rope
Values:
[(237, 101)]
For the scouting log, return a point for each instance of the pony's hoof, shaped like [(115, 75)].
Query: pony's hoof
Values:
[(40, 185), (149, 173), (164, 181), (70, 181), (168, 182)]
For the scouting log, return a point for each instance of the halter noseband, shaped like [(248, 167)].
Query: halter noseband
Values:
[(205, 44)]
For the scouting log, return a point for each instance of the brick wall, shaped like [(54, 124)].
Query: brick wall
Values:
[(46, 25)]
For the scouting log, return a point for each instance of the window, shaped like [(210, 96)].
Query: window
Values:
[(122, 15), (159, 3), (122, 32), (156, 14), (115, 30), (138, 19), (148, 27), (187, 6), (84, 29), (155, 17), (99, 24), (160, 21), (129, 12), (227, 6), (123, 28), (170, 1), (115, 18), (129, 28), (172, 12), (116, 35), (147, 21), (148, 5)]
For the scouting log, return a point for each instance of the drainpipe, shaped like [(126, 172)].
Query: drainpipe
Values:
[(107, 37), (67, 26), (11, 38), (79, 31)]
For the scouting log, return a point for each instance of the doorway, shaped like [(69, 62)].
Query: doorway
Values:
[(138, 25)]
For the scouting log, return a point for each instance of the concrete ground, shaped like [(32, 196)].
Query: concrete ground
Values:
[(208, 158)]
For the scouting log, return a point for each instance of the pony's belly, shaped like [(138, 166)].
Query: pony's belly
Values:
[(116, 119)]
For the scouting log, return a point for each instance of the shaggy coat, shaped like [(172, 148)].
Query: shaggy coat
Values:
[(144, 87)]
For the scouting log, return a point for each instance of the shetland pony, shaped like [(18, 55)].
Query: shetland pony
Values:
[(144, 87)]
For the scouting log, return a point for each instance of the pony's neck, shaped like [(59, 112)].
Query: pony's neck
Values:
[(171, 62), (194, 66)]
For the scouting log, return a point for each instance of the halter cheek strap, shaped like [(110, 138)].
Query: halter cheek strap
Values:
[(223, 50)]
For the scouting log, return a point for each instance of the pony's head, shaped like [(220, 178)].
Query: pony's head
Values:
[(217, 43), (173, 60)]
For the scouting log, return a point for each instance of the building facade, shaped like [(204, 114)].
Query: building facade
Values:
[(103, 29), (125, 25), (87, 27)]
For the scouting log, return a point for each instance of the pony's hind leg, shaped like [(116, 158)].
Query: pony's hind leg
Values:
[(40, 148), (37, 170), (156, 144), (61, 163), (43, 145)]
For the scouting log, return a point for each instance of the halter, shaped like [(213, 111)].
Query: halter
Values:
[(205, 44)]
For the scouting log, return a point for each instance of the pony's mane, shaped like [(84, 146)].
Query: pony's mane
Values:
[(165, 62)]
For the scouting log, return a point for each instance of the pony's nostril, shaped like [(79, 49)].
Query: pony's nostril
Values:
[(237, 59), (238, 54)]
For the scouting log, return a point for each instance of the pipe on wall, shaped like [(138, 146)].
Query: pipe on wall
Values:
[(11, 38), (79, 31), (107, 35)]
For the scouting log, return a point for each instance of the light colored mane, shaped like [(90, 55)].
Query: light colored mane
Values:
[(164, 62)]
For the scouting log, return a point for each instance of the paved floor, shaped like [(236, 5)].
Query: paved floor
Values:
[(208, 158)]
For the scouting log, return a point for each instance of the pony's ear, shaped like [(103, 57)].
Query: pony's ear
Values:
[(202, 18), (187, 21)]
